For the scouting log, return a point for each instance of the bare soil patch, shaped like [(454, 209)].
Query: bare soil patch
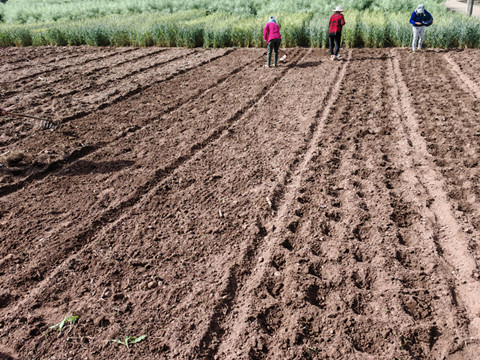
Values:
[(319, 210)]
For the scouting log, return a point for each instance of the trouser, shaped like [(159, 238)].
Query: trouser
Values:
[(334, 38), (418, 33), (275, 45)]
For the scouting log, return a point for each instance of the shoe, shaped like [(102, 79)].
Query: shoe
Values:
[(338, 57), (332, 57), (267, 66)]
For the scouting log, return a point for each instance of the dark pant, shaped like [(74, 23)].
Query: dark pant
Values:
[(334, 38), (275, 45)]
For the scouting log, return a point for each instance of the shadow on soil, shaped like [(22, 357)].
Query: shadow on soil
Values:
[(4, 356), (309, 64), (83, 167)]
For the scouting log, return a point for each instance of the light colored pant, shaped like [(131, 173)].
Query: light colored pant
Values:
[(418, 33)]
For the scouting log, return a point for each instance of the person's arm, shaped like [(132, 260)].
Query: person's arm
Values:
[(3, 112), (342, 20), (412, 20)]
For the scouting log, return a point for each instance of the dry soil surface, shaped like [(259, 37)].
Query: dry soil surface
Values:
[(318, 210)]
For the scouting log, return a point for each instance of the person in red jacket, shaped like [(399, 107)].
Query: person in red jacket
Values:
[(337, 21), (271, 34)]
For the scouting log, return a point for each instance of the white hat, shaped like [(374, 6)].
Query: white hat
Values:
[(338, 8), (271, 19), (420, 9)]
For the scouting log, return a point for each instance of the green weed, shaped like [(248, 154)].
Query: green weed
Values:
[(129, 340), (68, 320)]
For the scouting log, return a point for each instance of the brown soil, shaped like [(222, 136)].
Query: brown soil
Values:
[(319, 210)]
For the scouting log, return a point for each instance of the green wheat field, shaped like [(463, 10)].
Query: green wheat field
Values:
[(225, 23)]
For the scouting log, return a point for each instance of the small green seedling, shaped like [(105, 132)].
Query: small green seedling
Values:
[(129, 340), (67, 320)]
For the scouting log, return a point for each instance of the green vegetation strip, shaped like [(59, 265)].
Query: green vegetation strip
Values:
[(224, 23)]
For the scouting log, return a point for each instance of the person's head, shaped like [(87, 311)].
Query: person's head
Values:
[(271, 19), (420, 9), (338, 10)]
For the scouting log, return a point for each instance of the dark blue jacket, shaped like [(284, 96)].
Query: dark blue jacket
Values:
[(426, 19)]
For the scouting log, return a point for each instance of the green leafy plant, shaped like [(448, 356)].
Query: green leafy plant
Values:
[(130, 340), (69, 320)]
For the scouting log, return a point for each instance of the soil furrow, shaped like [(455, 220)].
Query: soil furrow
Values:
[(451, 133), (43, 59), (463, 78), (114, 212), (84, 72), (170, 105), (264, 256), (62, 106), (11, 76), (323, 209), (452, 239), (41, 56)]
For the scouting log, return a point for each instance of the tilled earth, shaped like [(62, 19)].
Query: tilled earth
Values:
[(318, 210)]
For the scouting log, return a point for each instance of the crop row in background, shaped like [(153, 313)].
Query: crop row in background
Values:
[(222, 23)]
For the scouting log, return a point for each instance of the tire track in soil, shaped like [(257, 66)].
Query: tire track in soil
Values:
[(80, 244), (79, 61), (250, 266), (80, 71), (78, 154), (452, 241)]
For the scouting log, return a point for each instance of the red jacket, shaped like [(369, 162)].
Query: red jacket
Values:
[(271, 31), (336, 23)]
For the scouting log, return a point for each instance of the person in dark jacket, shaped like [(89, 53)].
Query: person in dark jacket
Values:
[(271, 34), (3, 112), (337, 21), (420, 19)]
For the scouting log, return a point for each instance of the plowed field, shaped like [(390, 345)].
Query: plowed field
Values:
[(318, 210)]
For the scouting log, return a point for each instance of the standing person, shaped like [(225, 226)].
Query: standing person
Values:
[(337, 21), (3, 112), (271, 34), (419, 19)]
